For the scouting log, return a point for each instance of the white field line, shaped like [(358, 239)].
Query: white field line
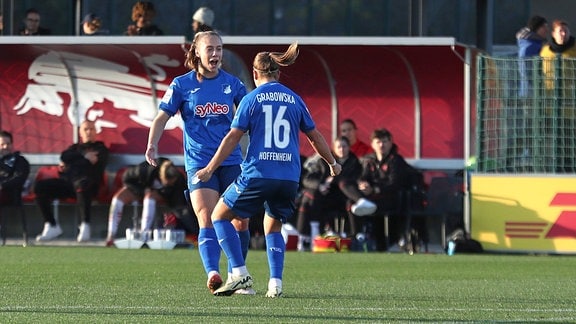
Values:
[(244, 308)]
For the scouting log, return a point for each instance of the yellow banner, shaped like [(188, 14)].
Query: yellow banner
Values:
[(524, 213)]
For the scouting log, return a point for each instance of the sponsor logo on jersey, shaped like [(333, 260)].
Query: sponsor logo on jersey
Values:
[(167, 95), (211, 108)]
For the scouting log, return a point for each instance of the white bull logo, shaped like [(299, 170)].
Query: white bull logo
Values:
[(89, 80)]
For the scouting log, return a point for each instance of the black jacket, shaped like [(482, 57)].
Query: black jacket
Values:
[(14, 171), (388, 176), (77, 167), (142, 176)]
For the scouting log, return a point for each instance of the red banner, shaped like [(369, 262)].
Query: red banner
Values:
[(49, 84)]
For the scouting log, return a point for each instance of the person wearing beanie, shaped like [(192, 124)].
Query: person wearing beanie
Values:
[(92, 26), (202, 20)]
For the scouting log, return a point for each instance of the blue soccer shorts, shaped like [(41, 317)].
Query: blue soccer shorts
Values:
[(245, 197), (220, 180)]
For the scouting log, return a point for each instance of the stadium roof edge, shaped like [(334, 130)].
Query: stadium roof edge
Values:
[(338, 40), (75, 40), (243, 40)]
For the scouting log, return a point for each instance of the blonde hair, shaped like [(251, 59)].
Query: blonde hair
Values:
[(268, 63), (168, 172), (192, 61)]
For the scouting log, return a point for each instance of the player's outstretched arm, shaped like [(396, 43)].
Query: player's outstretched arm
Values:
[(156, 130), (321, 147)]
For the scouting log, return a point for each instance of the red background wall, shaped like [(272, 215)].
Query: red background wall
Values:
[(372, 83)]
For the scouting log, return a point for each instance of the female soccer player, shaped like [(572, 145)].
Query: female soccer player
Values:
[(205, 98), (272, 114)]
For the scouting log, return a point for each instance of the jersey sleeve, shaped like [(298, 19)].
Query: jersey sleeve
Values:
[(240, 92), (172, 99), (242, 117)]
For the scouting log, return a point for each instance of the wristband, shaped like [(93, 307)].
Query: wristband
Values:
[(334, 164)]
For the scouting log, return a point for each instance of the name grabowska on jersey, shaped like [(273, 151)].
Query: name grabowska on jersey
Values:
[(275, 96), (211, 108)]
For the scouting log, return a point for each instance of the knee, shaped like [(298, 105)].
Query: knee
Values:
[(241, 224), (204, 218), (39, 188)]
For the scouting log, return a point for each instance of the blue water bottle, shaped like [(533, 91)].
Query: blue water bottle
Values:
[(451, 248)]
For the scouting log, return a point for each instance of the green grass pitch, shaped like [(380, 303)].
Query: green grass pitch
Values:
[(104, 285)]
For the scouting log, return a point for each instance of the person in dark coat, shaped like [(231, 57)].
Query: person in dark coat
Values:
[(82, 166), (14, 171), (385, 174), (32, 24)]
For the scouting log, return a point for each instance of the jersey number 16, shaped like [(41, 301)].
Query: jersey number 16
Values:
[(277, 128)]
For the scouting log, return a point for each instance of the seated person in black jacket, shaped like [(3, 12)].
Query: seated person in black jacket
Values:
[(82, 166), (324, 197), (14, 170), (384, 177), (149, 184)]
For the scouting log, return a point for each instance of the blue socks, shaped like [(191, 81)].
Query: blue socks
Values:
[(230, 243), (275, 249), (209, 249), (244, 244), (235, 245)]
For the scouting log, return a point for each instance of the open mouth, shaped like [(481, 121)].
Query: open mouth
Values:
[(213, 63)]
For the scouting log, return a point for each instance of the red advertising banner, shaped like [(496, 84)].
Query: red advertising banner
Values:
[(413, 87), (49, 88)]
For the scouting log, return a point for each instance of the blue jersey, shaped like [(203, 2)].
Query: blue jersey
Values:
[(273, 115), (207, 109)]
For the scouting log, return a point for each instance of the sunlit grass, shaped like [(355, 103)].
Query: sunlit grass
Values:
[(103, 285)]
